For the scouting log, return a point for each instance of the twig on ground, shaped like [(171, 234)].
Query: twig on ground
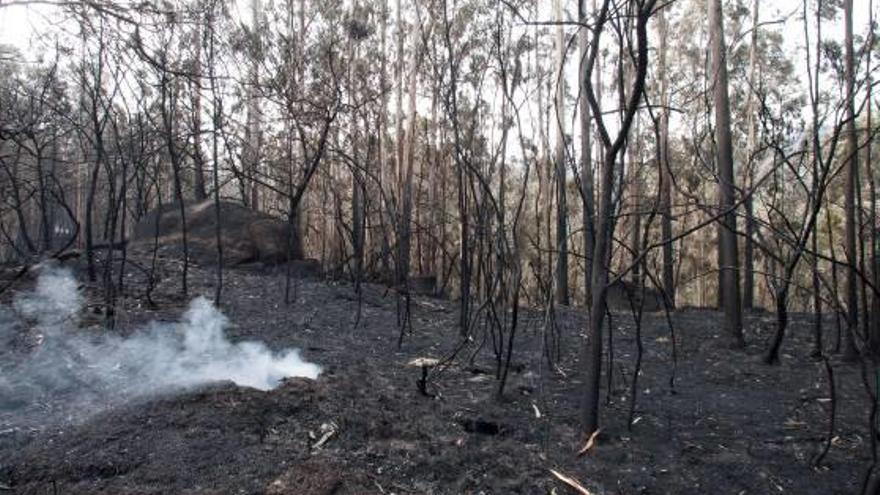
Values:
[(571, 482)]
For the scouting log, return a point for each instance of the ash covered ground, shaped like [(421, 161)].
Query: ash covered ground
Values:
[(732, 425)]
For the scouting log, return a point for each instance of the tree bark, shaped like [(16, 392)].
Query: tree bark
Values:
[(668, 275), (561, 175), (592, 359), (748, 179), (253, 132), (199, 190), (727, 242), (358, 196), (587, 187), (872, 216), (400, 163), (850, 352), (818, 347)]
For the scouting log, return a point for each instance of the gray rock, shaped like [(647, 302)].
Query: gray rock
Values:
[(247, 236)]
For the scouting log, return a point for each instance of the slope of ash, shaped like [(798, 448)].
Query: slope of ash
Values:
[(731, 424)]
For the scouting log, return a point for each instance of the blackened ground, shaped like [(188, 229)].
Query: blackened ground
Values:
[(733, 425)]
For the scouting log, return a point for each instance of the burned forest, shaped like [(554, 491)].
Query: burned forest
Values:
[(374, 247)]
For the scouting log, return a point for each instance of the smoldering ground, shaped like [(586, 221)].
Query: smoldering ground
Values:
[(730, 424), (58, 372)]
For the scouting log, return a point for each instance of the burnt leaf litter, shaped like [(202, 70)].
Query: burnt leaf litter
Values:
[(731, 424)]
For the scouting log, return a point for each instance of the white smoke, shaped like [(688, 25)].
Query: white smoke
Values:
[(196, 351), (54, 301), (63, 360)]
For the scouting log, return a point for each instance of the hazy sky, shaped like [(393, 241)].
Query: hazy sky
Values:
[(18, 23)]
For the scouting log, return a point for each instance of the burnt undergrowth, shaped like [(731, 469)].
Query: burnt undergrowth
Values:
[(733, 425)]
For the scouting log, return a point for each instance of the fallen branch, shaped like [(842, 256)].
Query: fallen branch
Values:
[(329, 430), (590, 443)]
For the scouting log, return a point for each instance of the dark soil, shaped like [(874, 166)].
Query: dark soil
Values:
[(731, 425)]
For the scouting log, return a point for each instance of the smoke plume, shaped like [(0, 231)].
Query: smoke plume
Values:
[(57, 361)]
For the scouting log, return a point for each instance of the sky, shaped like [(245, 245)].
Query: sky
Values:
[(19, 22)]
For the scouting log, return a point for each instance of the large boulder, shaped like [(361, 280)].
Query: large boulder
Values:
[(246, 235), (624, 295)]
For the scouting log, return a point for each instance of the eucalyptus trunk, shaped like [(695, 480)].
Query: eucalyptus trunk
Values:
[(850, 352), (727, 241)]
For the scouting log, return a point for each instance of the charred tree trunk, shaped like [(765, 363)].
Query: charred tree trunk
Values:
[(668, 275), (169, 116), (199, 189), (253, 132), (592, 361), (216, 123), (727, 242), (748, 255), (872, 187), (586, 151), (850, 352), (561, 174), (818, 346)]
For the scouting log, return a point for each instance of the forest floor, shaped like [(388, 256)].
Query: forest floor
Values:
[(731, 426)]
